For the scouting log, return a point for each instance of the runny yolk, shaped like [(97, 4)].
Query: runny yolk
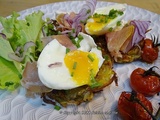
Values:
[(81, 65), (97, 24)]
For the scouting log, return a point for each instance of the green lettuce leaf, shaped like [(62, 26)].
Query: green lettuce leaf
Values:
[(19, 32), (5, 48), (9, 76), (8, 24)]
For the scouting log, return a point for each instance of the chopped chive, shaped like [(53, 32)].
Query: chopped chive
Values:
[(105, 18), (90, 57), (72, 74), (73, 41), (110, 29), (59, 33), (74, 65), (78, 45), (99, 48), (67, 50), (92, 76), (106, 57), (82, 21), (94, 83), (80, 37), (88, 11), (120, 12), (57, 107), (73, 30), (9, 83), (119, 23), (70, 35)]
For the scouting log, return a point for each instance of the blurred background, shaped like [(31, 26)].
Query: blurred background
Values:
[(7, 6)]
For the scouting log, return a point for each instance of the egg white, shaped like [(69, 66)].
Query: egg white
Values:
[(59, 77), (112, 24)]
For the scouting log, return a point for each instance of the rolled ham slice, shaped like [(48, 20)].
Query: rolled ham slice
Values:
[(119, 41), (31, 81), (62, 39)]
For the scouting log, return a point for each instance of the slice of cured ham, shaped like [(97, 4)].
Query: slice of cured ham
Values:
[(31, 81), (119, 41), (62, 39)]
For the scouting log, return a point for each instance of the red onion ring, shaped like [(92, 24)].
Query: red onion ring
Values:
[(28, 45), (3, 35), (81, 16), (17, 58), (140, 30), (56, 64)]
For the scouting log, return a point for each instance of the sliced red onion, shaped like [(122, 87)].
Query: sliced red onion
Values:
[(3, 35), (17, 52), (140, 30), (86, 11), (56, 64), (17, 58), (28, 45)]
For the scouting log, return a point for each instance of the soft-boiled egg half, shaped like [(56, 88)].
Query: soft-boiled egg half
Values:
[(58, 69), (105, 19)]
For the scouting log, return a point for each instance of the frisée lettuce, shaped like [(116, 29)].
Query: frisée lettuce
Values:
[(14, 53)]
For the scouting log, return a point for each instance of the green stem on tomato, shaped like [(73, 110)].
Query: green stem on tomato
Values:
[(151, 72)]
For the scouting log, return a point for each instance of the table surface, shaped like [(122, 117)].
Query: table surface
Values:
[(7, 6)]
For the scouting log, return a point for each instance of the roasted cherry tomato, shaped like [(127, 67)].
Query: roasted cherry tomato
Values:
[(130, 107), (149, 51), (146, 82)]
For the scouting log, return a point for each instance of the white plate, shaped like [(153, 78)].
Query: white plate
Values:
[(15, 106)]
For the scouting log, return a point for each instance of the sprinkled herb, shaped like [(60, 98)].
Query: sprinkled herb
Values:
[(119, 23), (90, 57), (74, 65), (72, 74), (80, 38), (73, 40), (110, 29), (76, 42), (57, 107), (99, 48), (94, 83), (88, 11), (106, 57), (59, 33), (120, 12), (73, 30), (105, 18), (95, 15), (114, 13), (67, 50), (9, 83)]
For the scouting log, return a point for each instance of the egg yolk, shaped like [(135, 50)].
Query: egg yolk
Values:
[(82, 66), (97, 23)]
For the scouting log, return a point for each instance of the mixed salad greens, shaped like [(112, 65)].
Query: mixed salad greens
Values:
[(19, 44)]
